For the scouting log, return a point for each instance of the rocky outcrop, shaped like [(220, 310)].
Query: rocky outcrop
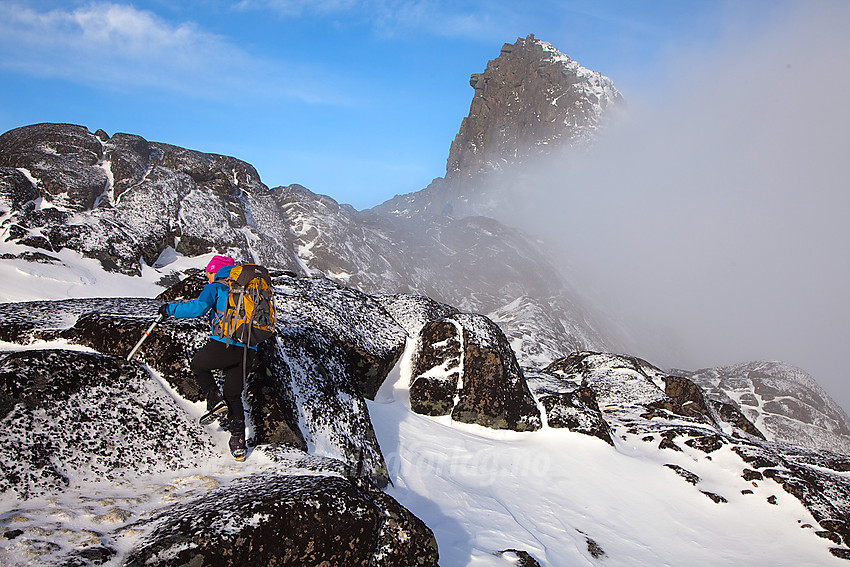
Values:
[(283, 519), (570, 405), (787, 403), (636, 400), (63, 159), (464, 366), (123, 200), (530, 99), (72, 417)]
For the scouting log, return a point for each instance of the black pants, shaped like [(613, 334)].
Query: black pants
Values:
[(217, 355)]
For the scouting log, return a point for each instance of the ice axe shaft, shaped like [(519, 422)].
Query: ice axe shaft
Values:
[(148, 332)]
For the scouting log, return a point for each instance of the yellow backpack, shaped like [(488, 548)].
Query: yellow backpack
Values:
[(249, 316)]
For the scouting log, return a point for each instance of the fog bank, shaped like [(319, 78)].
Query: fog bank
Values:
[(712, 215)]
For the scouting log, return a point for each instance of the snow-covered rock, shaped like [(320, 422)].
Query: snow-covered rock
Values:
[(785, 402), (123, 200), (76, 412), (287, 519), (464, 366), (638, 401)]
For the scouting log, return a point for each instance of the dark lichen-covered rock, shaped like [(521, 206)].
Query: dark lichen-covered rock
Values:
[(464, 363), (275, 519), (630, 385), (519, 557), (15, 190), (271, 402), (63, 158), (494, 392), (87, 416), (684, 473), (327, 405), (369, 339), (186, 289), (168, 349), (436, 368)]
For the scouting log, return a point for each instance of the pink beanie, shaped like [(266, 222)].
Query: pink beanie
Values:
[(219, 262)]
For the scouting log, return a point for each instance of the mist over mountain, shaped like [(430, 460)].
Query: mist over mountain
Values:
[(433, 324)]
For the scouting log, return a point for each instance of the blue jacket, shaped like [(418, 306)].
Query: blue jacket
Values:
[(212, 302)]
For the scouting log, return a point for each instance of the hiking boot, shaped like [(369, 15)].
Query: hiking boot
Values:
[(217, 412), (237, 447)]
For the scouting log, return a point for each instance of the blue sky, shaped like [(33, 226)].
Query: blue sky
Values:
[(356, 99)]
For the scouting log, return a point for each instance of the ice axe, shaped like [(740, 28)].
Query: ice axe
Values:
[(156, 322)]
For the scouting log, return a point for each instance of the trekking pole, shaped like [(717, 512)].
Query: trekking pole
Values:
[(148, 332)]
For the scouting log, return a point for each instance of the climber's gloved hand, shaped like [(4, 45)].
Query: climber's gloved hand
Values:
[(163, 310)]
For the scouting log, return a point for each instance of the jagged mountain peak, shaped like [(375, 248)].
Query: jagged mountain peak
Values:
[(528, 100), (531, 101)]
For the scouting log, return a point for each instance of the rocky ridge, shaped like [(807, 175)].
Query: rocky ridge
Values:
[(783, 401), (122, 199)]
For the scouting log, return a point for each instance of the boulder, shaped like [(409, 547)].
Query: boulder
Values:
[(464, 363), (368, 338), (437, 368), (278, 519), (577, 411)]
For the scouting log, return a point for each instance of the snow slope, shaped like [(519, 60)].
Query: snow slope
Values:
[(571, 499)]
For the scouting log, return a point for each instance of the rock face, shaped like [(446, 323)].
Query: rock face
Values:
[(787, 404), (123, 199), (530, 99)]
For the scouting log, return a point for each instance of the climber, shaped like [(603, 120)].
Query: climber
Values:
[(218, 353)]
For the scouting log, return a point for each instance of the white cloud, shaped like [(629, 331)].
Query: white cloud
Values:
[(121, 47)]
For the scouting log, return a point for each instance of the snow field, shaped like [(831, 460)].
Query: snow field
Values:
[(564, 496)]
